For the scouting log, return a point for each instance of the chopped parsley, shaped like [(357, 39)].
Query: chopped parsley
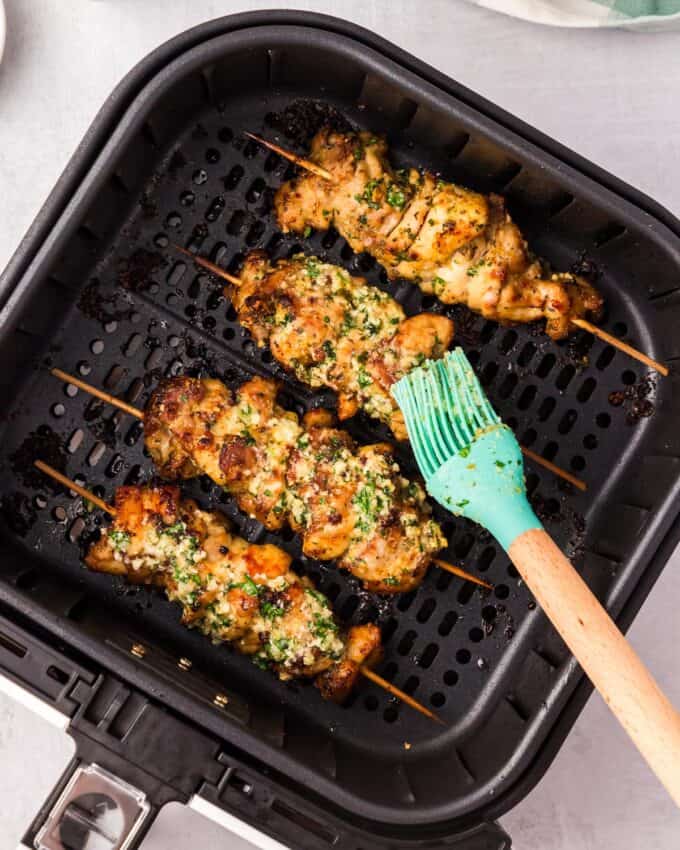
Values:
[(329, 350), (396, 196), (364, 379), (500, 464), (367, 195), (247, 586), (119, 540), (307, 232), (312, 267), (270, 611), (391, 581)]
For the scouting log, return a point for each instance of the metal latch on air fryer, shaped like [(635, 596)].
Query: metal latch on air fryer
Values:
[(95, 809)]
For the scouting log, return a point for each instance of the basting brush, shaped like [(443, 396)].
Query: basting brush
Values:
[(473, 466)]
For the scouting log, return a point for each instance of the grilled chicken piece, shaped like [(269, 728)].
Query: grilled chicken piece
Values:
[(333, 330), (231, 590), (347, 503), (459, 245)]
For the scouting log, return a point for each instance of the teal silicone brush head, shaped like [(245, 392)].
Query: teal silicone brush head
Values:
[(470, 460)]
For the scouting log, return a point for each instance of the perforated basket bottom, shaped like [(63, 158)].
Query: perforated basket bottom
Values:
[(146, 313)]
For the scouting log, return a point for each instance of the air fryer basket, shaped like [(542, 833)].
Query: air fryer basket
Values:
[(105, 296)]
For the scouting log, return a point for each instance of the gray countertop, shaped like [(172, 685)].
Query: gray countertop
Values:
[(610, 95)]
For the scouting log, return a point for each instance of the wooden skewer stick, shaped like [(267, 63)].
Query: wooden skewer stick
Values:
[(109, 509), (562, 473), (71, 485), (579, 323), (397, 692), (135, 411), (457, 571), (307, 164), (95, 391), (206, 264), (622, 346)]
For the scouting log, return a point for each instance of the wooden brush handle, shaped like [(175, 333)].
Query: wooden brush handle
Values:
[(605, 655)]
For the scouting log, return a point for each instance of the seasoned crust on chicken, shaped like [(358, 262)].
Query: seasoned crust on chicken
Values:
[(333, 330), (347, 503), (455, 243), (231, 590)]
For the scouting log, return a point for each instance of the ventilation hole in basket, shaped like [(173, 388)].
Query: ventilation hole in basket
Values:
[(501, 591), (234, 177), (489, 372), (215, 209), (133, 434), (447, 623), (389, 629), (603, 420), (527, 397), (76, 529), (526, 354), (437, 699), (465, 593), (586, 390), (74, 441), (567, 422), (450, 678), (349, 607), (370, 702), (411, 684), (605, 358), (84, 367), (428, 302), (115, 466), (59, 515), (225, 135), (154, 359), (463, 546), (237, 223), (590, 442), (390, 714), (426, 610), (187, 198), (487, 332), (628, 377), (546, 408), (173, 221), (620, 329), (405, 645), (209, 323), (58, 410), (578, 463), (507, 386), (565, 377), (485, 559), (132, 345), (428, 656), (476, 634), (405, 601), (160, 240), (508, 341), (390, 671), (96, 454), (255, 190), (550, 450), (463, 656), (546, 364), (529, 437), (212, 155), (444, 579), (255, 233), (531, 482), (511, 422), (134, 476), (512, 571), (489, 613)]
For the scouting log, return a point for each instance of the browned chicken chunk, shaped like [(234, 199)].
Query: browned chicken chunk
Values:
[(348, 503), (231, 590), (333, 330), (459, 245)]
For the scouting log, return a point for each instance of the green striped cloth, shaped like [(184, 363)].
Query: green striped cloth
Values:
[(632, 14)]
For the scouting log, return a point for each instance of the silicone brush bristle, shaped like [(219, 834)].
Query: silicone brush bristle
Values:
[(444, 407)]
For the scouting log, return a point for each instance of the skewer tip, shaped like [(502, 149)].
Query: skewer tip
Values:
[(206, 264), (399, 694), (457, 571), (622, 346), (307, 164)]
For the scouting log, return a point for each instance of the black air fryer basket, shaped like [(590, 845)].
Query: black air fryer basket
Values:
[(97, 290)]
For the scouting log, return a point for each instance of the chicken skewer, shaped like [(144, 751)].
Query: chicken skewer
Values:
[(348, 503), (233, 591), (331, 329), (452, 242)]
